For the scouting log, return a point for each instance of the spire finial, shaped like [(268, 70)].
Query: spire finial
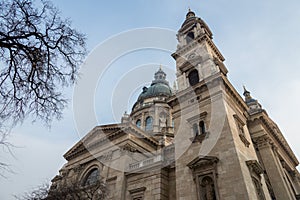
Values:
[(252, 103), (246, 94), (190, 14), (245, 90)]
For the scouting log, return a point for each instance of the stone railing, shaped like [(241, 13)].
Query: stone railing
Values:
[(146, 162), (167, 157)]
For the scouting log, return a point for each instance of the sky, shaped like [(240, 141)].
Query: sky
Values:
[(259, 40)]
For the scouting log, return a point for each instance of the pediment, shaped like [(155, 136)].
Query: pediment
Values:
[(101, 135), (254, 166), (77, 149), (201, 161)]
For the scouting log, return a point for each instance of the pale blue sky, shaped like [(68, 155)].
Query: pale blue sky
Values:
[(259, 39)]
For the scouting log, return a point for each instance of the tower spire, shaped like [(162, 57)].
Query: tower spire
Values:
[(252, 103), (246, 94)]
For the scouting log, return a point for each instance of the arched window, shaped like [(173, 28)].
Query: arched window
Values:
[(138, 123), (149, 124), (189, 37), (195, 130), (202, 127), (92, 177), (193, 77), (208, 189)]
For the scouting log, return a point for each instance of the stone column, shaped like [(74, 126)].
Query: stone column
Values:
[(143, 121), (156, 119), (185, 82), (273, 168)]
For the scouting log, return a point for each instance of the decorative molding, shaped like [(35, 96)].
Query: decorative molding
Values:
[(276, 133), (240, 126), (203, 168), (244, 140), (137, 193), (197, 118), (238, 119), (78, 168), (200, 138), (106, 157), (272, 129), (127, 148), (57, 178), (263, 141), (221, 66), (254, 166), (110, 132), (111, 179), (203, 161), (82, 147), (141, 189)]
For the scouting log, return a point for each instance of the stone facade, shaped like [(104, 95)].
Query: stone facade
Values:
[(201, 141)]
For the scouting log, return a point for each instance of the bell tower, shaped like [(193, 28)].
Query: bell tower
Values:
[(212, 141), (196, 56)]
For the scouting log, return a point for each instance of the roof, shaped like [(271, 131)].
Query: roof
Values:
[(158, 87)]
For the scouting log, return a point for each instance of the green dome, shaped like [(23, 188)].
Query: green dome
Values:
[(159, 87)]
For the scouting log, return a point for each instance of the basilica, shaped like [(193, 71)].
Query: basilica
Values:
[(201, 140)]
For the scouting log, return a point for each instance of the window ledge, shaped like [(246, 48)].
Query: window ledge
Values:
[(199, 138), (244, 140)]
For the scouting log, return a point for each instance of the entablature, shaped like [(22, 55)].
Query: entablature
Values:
[(274, 134)]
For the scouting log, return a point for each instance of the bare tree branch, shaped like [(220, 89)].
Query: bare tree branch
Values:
[(6, 147), (71, 191), (39, 56)]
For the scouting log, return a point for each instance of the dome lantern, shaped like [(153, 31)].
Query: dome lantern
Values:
[(159, 87)]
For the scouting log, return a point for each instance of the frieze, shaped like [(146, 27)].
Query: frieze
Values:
[(106, 157), (128, 148), (274, 130)]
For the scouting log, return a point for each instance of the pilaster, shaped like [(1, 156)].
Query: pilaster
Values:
[(272, 167)]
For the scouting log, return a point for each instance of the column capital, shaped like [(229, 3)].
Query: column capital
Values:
[(263, 141)]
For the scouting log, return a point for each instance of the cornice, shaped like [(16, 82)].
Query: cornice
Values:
[(195, 90), (234, 94), (204, 85), (122, 129), (263, 141), (141, 134), (203, 161), (136, 190), (80, 148), (275, 132), (202, 37)]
